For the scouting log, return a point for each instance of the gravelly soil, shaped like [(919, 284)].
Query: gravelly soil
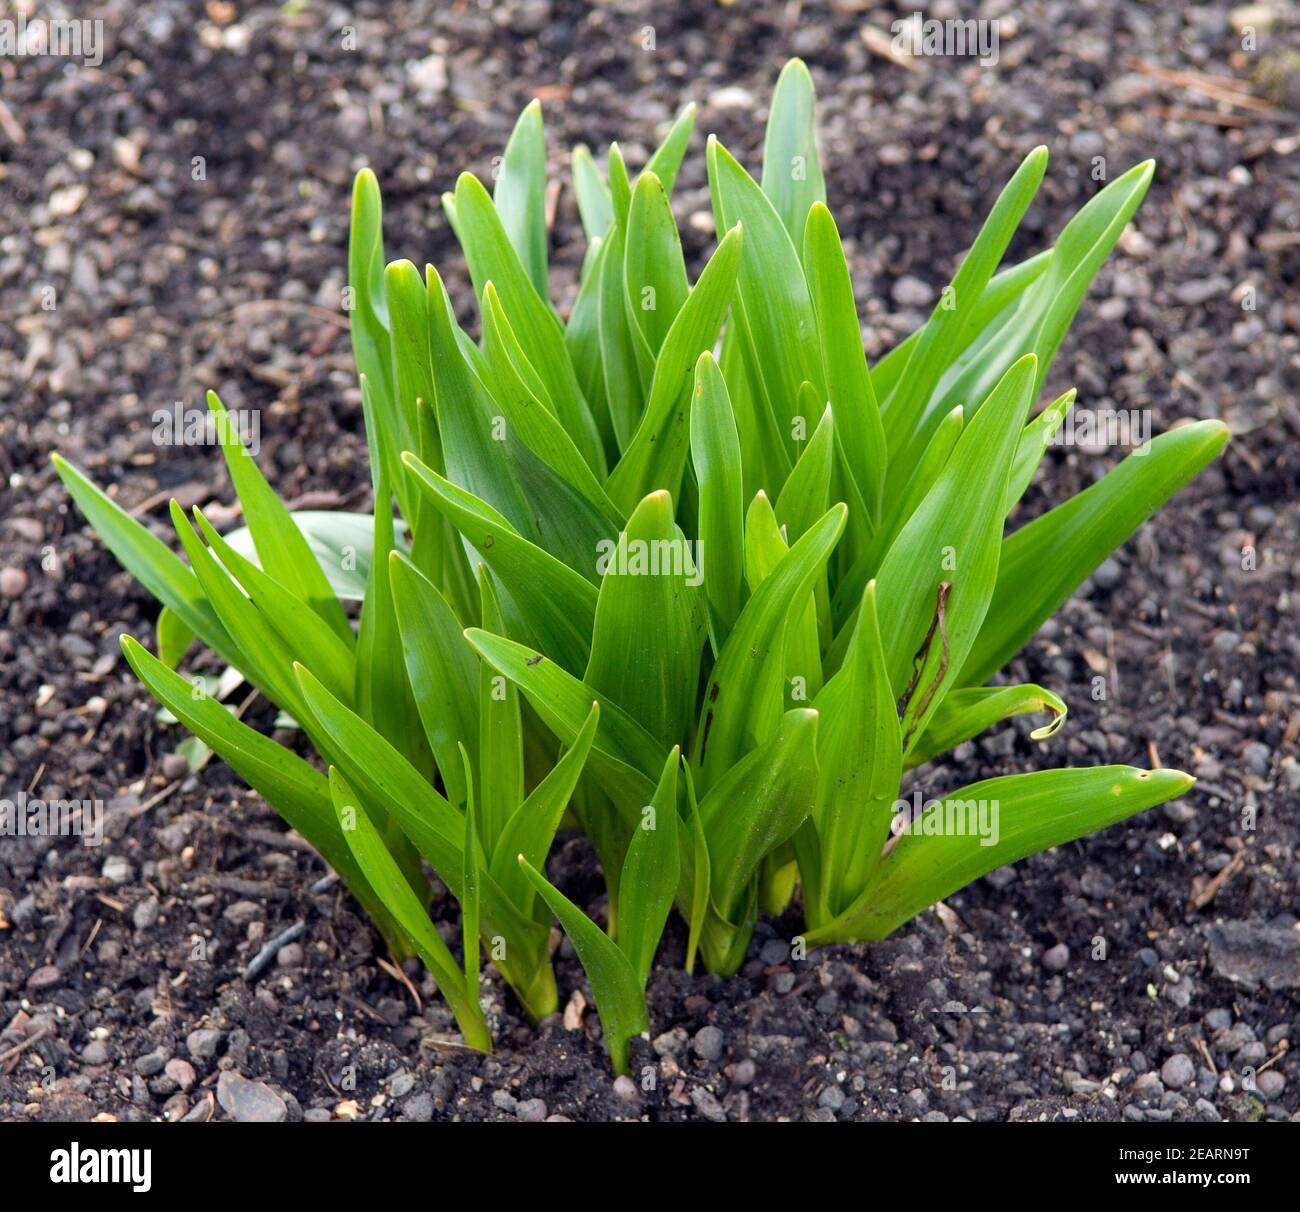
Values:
[(1149, 973)]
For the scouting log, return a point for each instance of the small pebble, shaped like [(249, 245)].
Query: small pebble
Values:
[(13, 582), (708, 1043), (1056, 958), (1178, 1071)]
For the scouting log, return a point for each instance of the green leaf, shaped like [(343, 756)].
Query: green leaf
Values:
[(614, 984), (953, 312), (442, 669), (1043, 312), (966, 713), (470, 901), (1033, 812), (743, 703), (1047, 560), (649, 626), (648, 882), (549, 602), (654, 270), (715, 456), (368, 313), (491, 258), (527, 416), (520, 193), (342, 544), (758, 804), (173, 637), (624, 394), (531, 830), (501, 749), (792, 171), (304, 633), (386, 878), (765, 548), (624, 756), (952, 541), (595, 207), (294, 789), (656, 455), (388, 780), (149, 560), (860, 755), (697, 875), (1034, 441), (667, 158), (773, 308), (383, 692), (859, 434)]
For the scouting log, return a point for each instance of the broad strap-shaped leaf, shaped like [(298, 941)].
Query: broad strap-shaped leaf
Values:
[(501, 742), (1022, 813), (966, 713), (715, 457), (859, 434), (624, 758), (383, 691), (173, 637), (999, 299), (471, 887), (619, 996), (792, 170), (389, 781), (367, 308), (860, 756), (297, 791), (517, 392), (773, 308), (667, 158), (262, 656), (280, 544), (520, 193), (696, 872), (442, 668), (937, 344), (757, 805), (648, 883), (1038, 322), (743, 702), (654, 270), (937, 579), (149, 560), (1034, 441), (531, 830), (384, 875), (304, 632), (765, 548), (1047, 560), (342, 542), (595, 208), (656, 455), (624, 393), (650, 623), (549, 602), (485, 455), (492, 258)]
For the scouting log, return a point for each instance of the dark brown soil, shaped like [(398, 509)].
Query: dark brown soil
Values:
[(1151, 972)]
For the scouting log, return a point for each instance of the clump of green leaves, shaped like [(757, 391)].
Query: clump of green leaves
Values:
[(683, 570)]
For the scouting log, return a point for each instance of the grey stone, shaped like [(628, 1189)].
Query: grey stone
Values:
[(1178, 1071), (708, 1043), (249, 1102)]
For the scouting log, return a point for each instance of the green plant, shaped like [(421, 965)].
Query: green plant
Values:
[(716, 606)]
